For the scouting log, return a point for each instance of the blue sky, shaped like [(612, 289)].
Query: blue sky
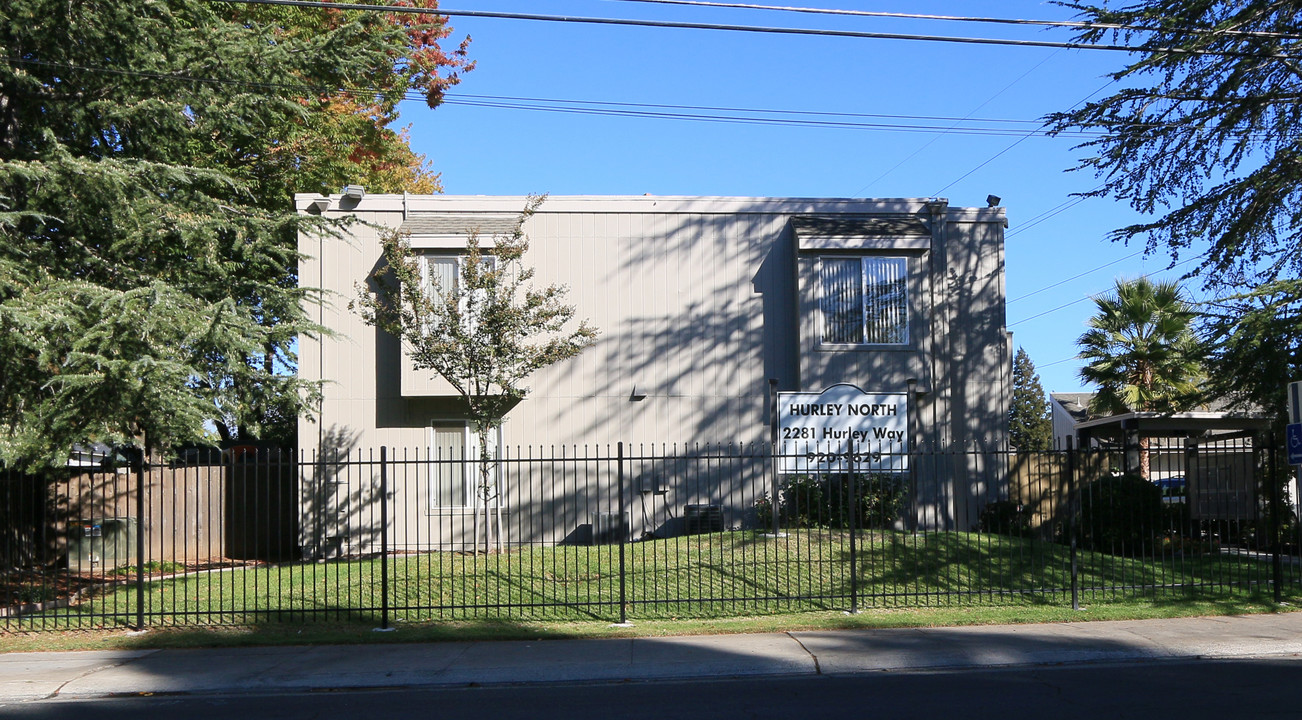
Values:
[(1056, 251)]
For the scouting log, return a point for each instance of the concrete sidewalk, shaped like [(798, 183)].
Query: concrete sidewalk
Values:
[(26, 677)]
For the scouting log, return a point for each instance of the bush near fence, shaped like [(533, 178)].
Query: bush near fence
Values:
[(841, 501)]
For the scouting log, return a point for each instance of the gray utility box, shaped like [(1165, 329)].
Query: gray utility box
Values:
[(101, 544), (609, 528)]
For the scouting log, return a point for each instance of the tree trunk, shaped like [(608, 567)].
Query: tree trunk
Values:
[(487, 490)]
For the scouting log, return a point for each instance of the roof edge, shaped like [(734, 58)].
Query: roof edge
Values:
[(417, 204)]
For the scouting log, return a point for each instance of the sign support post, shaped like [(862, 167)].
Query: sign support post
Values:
[(774, 492)]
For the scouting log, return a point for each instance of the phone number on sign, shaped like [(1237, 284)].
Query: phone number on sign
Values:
[(821, 458)]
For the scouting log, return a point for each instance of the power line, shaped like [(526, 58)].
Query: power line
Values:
[(1075, 277), (747, 28), (1095, 296), (1058, 362), (1076, 24), (929, 143), (1015, 143), (1051, 212), (789, 118), (738, 119), (988, 160), (937, 118)]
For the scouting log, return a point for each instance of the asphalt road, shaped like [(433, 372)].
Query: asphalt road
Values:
[(1188, 690)]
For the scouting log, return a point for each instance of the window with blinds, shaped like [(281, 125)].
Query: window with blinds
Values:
[(865, 300), (454, 467), (441, 275), (447, 466)]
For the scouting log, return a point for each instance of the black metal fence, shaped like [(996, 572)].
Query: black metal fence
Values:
[(633, 532)]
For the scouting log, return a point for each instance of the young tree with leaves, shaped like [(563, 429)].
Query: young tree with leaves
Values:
[(1030, 424), (485, 335), (148, 246)]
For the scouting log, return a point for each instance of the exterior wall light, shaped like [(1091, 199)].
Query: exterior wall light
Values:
[(354, 192)]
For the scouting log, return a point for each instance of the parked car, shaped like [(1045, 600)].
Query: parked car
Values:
[(1174, 490)]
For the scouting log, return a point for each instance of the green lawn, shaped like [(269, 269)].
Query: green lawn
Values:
[(701, 577)]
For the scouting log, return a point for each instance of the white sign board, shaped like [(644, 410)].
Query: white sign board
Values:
[(1295, 402), (841, 427)]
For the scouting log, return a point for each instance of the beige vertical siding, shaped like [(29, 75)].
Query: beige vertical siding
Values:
[(699, 301)]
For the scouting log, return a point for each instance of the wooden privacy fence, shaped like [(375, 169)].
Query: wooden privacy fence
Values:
[(193, 515)]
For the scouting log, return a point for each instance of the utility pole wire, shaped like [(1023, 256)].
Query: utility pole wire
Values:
[(748, 28), (819, 113), (776, 121), (1096, 295), (1074, 24), (812, 119), (1074, 277), (929, 143)]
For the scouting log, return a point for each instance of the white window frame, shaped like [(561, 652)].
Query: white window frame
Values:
[(457, 261), (904, 307), (466, 467)]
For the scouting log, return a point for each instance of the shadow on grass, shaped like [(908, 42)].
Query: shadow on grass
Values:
[(707, 578)]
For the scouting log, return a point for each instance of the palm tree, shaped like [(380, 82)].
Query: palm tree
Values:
[(1142, 352)]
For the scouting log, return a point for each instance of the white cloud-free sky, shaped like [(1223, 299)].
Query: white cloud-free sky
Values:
[(970, 115)]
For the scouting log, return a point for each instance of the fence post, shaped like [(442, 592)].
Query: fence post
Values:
[(1276, 567), (1073, 505), (623, 538), (384, 537), (854, 512), (140, 539)]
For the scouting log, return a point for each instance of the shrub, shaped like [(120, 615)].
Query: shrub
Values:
[(1005, 517), (764, 512), (835, 501), (1120, 514)]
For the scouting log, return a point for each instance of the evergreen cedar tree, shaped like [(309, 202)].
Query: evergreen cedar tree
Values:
[(148, 156), (1030, 424), (1203, 139)]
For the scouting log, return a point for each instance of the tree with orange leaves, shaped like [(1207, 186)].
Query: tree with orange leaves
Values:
[(347, 135)]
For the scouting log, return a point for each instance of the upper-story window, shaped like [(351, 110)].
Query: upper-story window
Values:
[(440, 276), (439, 273), (864, 300)]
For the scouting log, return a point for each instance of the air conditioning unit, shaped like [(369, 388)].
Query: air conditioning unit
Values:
[(609, 528), (703, 519)]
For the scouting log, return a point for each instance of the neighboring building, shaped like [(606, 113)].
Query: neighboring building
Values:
[(699, 303), (1068, 409), (1208, 455)]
